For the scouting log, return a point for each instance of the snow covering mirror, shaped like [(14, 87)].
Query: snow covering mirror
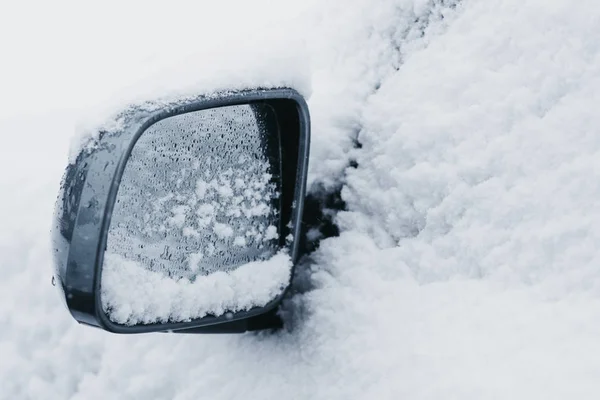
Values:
[(185, 215), (195, 227)]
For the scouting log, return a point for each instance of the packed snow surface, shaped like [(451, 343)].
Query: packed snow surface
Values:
[(468, 152)]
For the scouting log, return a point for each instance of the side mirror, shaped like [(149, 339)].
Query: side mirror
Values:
[(186, 216)]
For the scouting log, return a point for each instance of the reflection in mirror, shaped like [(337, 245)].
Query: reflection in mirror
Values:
[(195, 227)]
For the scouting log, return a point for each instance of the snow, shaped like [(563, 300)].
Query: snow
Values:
[(133, 294), (466, 266)]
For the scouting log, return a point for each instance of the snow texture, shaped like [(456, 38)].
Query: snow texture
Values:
[(467, 261), (133, 294)]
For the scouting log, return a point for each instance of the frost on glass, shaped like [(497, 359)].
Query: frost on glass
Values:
[(199, 200)]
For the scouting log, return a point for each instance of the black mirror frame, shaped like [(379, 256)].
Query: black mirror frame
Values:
[(90, 186)]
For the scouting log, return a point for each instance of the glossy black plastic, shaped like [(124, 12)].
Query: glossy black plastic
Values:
[(90, 185)]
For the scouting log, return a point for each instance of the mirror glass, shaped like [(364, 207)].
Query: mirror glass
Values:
[(195, 229)]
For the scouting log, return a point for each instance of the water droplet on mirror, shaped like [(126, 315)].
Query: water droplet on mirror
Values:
[(240, 156)]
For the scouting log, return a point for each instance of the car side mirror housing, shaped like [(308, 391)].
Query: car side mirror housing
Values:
[(186, 216)]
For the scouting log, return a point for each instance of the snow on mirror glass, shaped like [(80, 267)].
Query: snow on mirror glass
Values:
[(195, 227)]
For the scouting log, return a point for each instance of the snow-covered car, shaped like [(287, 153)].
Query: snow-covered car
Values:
[(452, 195)]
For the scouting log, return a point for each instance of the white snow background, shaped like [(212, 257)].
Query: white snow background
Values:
[(468, 261)]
